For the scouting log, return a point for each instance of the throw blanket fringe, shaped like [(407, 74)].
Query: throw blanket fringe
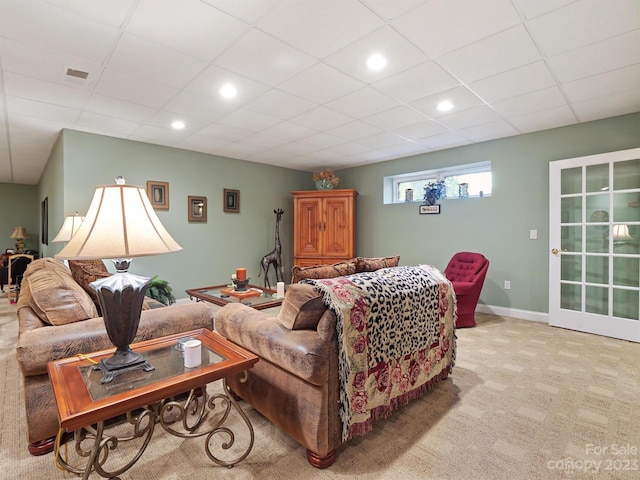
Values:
[(395, 336)]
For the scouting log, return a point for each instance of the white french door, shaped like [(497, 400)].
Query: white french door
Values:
[(594, 239)]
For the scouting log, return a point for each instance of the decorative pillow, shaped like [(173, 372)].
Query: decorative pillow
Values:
[(339, 269), (46, 263), (86, 271), (364, 264), (57, 299), (301, 308)]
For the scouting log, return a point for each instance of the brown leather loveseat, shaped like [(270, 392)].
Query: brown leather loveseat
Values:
[(296, 384), (58, 319)]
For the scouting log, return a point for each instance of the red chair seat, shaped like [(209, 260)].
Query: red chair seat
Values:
[(466, 271)]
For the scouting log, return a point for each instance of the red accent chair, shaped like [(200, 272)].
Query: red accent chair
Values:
[(466, 271)]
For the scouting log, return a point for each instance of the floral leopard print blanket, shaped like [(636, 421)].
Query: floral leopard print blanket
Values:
[(395, 336)]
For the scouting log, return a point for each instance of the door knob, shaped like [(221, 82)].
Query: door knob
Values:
[(555, 251)]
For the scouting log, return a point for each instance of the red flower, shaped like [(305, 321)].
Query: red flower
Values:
[(404, 383), (359, 402), (359, 380), (357, 315), (414, 371), (396, 375), (382, 378), (360, 344)]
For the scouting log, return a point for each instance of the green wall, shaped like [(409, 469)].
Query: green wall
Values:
[(497, 226), (19, 207), (212, 250)]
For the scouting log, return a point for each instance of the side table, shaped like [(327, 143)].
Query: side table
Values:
[(148, 399)]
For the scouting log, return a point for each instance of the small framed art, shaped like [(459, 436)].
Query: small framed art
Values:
[(231, 201), (197, 209), (158, 193), (429, 209)]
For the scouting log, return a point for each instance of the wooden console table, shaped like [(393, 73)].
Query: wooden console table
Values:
[(148, 399)]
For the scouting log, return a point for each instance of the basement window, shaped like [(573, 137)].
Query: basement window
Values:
[(461, 181)]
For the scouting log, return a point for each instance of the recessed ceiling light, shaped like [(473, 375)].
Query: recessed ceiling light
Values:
[(445, 106), (178, 125), (376, 61), (228, 91)]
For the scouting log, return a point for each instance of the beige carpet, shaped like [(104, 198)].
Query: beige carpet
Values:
[(526, 401)]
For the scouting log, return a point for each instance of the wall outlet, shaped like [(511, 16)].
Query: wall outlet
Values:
[(533, 234), (507, 285)]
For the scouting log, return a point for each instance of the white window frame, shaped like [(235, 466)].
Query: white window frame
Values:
[(392, 182)]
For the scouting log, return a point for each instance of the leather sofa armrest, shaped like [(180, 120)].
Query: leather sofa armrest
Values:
[(304, 353), (37, 347)]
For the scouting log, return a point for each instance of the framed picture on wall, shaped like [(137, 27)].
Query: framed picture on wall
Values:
[(231, 201), (44, 221), (197, 209), (158, 193)]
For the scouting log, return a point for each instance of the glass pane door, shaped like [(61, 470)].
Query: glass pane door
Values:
[(594, 268)]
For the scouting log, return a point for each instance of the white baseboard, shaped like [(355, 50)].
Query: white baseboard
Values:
[(513, 312)]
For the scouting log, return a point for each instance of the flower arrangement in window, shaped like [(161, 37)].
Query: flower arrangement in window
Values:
[(326, 179), (433, 192)]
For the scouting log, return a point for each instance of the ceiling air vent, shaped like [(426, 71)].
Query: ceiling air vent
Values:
[(77, 73)]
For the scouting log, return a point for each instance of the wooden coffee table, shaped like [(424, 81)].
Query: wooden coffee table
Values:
[(148, 399), (218, 295)]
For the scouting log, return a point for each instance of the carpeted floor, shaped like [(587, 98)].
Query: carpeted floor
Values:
[(526, 401)]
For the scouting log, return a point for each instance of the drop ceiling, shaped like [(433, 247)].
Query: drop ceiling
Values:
[(305, 97)]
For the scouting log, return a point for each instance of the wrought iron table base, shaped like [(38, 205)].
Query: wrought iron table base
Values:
[(189, 415)]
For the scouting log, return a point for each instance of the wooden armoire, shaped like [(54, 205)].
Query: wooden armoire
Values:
[(324, 226)]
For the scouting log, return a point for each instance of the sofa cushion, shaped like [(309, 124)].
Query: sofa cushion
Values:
[(364, 264), (56, 298), (301, 308), (323, 271), (86, 271)]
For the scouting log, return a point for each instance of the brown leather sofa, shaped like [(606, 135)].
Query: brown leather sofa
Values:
[(58, 319), (296, 382)]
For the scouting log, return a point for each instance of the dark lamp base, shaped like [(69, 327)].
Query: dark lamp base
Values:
[(121, 362)]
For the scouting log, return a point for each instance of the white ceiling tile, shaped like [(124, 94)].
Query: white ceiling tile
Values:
[(395, 118), (319, 28), (259, 56), (499, 53), (237, 150), (321, 118), (489, 131), (598, 21), (144, 59), (226, 133), (399, 53), (444, 140), (382, 140), (45, 111), (263, 141), (289, 131), (207, 108), (247, 10), (320, 84), (362, 103), (323, 140), (118, 108), (202, 143), (56, 29), (461, 98), (113, 12), (535, 8), (468, 118), (209, 82), (518, 81), (106, 124), (530, 102), (608, 105), (189, 26), (420, 130), (601, 57), (44, 64), (164, 119), (350, 148), (389, 10), (280, 104), (441, 26), (552, 118), (418, 82), (354, 130), (157, 135), (242, 118), (133, 89), (41, 91), (616, 81)]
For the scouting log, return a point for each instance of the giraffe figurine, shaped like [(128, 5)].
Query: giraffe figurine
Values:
[(274, 257)]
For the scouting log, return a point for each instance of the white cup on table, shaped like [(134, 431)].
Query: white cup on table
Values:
[(192, 353)]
